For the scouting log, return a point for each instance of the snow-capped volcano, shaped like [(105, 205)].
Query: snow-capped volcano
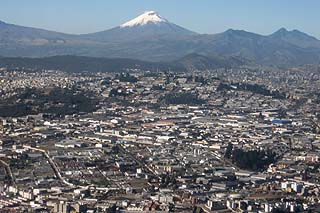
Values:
[(145, 18), (147, 25)]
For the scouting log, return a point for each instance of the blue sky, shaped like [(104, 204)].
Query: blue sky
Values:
[(204, 16)]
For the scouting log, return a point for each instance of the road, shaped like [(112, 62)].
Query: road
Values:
[(54, 166)]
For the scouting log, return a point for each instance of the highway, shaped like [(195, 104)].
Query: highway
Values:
[(54, 166)]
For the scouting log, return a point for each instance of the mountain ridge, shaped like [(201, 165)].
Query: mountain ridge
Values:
[(70, 63), (153, 38)]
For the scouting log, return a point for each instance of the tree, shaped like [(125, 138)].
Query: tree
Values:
[(228, 150), (181, 98), (253, 159)]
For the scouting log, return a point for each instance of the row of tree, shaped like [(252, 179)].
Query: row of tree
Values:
[(56, 101), (253, 159), (181, 98), (250, 159)]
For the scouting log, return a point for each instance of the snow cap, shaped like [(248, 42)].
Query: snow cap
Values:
[(146, 18)]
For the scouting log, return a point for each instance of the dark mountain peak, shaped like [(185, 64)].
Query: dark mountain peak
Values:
[(302, 34), (239, 33), (298, 32), (282, 30), (284, 34), (233, 31)]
